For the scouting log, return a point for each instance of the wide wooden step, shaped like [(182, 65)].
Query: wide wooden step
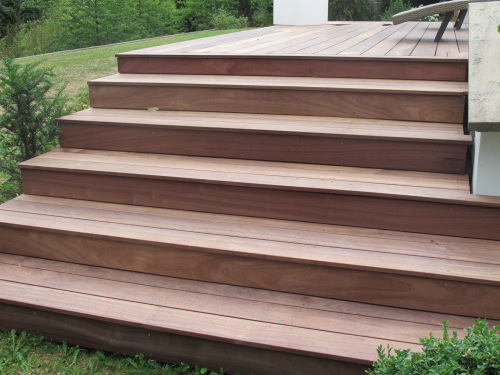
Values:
[(341, 97), (397, 200), (285, 51), (421, 272), (243, 329), (152, 61), (430, 147)]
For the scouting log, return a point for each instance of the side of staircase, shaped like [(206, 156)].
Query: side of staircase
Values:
[(213, 212)]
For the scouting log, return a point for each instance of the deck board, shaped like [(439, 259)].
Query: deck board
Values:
[(356, 39)]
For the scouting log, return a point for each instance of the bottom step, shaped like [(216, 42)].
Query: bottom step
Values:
[(248, 330)]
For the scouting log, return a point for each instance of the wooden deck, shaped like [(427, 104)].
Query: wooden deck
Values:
[(340, 39), (277, 200)]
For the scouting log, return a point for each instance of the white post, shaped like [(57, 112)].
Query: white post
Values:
[(484, 95), (486, 175), (300, 12)]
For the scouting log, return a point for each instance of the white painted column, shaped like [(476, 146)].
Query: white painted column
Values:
[(486, 176), (484, 95), (300, 12)]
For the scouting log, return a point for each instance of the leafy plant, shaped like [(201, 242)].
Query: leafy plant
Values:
[(22, 353), (29, 103), (478, 353), (224, 20), (395, 7)]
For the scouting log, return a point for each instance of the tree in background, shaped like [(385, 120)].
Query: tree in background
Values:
[(29, 103), (352, 10)]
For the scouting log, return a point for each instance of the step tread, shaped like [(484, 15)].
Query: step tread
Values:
[(276, 124), (353, 248), (408, 185), (279, 321), (297, 83)]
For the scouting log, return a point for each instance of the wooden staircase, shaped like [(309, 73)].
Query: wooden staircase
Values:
[(249, 213)]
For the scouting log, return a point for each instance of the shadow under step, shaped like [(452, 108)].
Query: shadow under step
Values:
[(421, 146), (243, 329), (410, 100), (422, 272), (409, 201)]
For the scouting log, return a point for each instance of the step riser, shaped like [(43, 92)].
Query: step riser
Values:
[(338, 68), (414, 292), (371, 153), (371, 105), (360, 211), (166, 346)]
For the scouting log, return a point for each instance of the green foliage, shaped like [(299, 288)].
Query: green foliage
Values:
[(395, 7), (352, 10), (29, 103), (478, 353), (27, 354), (224, 20)]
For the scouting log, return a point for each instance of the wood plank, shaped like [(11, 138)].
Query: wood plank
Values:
[(164, 346), (334, 33), (434, 108), (345, 41), (406, 46), (414, 292), (277, 83), (389, 35), (364, 181), (303, 317), (273, 145), (296, 67), (212, 327), (303, 125), (247, 247), (272, 230), (248, 294), (371, 212), (426, 45), (386, 45)]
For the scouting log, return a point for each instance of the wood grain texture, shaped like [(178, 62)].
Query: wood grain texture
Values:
[(251, 295), (238, 144), (165, 346), (306, 41), (388, 86), (167, 295), (309, 103), (276, 124), (421, 293), (290, 67), (369, 212), (429, 246)]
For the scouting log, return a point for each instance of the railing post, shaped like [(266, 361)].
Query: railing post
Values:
[(484, 95), (300, 12)]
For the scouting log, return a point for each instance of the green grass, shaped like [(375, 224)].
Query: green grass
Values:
[(25, 354), (75, 68)]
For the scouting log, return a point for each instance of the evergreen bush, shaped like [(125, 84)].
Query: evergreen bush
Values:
[(29, 104), (478, 353)]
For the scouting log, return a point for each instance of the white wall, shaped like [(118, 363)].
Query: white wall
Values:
[(486, 173), (300, 12)]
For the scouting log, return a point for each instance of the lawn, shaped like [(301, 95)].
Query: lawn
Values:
[(75, 68), (24, 354)]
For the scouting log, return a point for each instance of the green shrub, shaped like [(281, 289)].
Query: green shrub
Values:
[(478, 353), (395, 7), (29, 103), (224, 20), (352, 10)]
